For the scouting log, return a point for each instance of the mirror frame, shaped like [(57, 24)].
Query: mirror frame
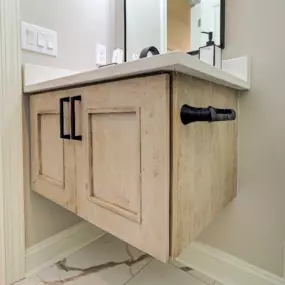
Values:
[(223, 24), (125, 31)]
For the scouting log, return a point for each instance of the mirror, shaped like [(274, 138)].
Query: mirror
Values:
[(172, 25), (206, 16)]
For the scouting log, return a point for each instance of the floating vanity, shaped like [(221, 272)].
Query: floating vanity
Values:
[(110, 146)]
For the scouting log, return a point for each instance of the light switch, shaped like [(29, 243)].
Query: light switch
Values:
[(50, 43), (31, 37), (41, 40)]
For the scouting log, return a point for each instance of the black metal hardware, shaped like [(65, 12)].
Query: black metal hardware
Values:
[(73, 119), (61, 118), (210, 41), (190, 114), (222, 24), (194, 52), (146, 50)]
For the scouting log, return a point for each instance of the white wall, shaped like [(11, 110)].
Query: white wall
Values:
[(253, 226), (146, 25), (195, 29), (80, 25), (209, 13)]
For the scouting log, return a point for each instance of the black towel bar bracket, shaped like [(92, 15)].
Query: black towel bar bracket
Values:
[(190, 114)]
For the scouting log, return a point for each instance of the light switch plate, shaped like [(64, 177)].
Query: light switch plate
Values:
[(39, 39)]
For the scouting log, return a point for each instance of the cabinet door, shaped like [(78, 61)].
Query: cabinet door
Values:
[(122, 162), (52, 157)]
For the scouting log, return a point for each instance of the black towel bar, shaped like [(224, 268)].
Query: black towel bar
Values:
[(190, 114)]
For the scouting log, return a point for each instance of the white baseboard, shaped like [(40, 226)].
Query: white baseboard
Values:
[(225, 268), (60, 246)]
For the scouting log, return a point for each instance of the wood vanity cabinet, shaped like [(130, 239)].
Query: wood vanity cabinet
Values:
[(128, 165)]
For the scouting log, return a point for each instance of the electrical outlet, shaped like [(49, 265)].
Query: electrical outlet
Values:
[(38, 39), (118, 55), (101, 54)]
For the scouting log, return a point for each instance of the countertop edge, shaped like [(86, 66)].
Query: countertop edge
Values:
[(170, 62)]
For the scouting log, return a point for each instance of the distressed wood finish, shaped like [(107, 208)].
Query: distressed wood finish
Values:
[(52, 157), (138, 172), (123, 161), (204, 169)]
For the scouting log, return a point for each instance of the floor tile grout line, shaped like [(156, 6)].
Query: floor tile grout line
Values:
[(41, 280), (193, 276), (133, 276), (203, 281), (189, 273), (200, 279)]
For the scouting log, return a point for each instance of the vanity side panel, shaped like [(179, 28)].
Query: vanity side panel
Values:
[(204, 160)]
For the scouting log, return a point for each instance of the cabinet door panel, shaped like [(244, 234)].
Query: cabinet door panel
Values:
[(51, 149), (110, 183), (122, 163), (52, 157)]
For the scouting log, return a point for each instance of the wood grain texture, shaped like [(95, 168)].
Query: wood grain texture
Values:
[(178, 25), (50, 148), (147, 100), (116, 160), (204, 166), (52, 158)]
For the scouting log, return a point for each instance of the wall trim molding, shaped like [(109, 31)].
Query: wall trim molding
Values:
[(59, 246), (224, 267), (12, 224)]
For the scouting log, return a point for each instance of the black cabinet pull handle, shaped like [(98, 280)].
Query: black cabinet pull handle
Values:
[(73, 119), (190, 114), (61, 118)]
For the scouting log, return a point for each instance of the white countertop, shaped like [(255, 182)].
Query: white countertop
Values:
[(173, 61)]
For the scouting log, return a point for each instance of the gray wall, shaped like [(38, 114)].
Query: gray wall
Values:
[(80, 24), (253, 227)]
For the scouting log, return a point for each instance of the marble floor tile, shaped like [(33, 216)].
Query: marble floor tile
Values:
[(29, 281), (54, 273), (107, 261), (157, 273)]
